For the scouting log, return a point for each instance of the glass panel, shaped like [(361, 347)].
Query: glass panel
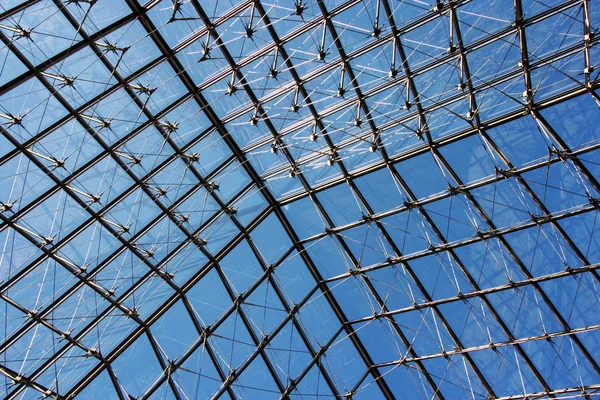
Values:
[(300, 199)]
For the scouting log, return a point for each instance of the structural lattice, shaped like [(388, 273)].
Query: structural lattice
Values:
[(299, 199)]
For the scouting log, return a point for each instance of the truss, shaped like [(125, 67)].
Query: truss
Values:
[(299, 199)]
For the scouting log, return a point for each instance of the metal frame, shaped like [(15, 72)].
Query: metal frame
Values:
[(334, 58)]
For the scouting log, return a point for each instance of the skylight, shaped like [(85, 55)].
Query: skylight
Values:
[(299, 199)]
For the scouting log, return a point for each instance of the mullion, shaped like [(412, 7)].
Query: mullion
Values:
[(498, 177), (430, 221), (61, 56), (455, 177), (425, 148), (507, 246), (473, 110), (494, 346), (178, 151), (482, 236), (186, 80), (179, 292), (333, 151), (330, 145), (374, 130), (143, 325), (273, 131), (530, 107), (142, 231), (521, 265), (160, 59), (574, 49), (483, 292), (114, 156)]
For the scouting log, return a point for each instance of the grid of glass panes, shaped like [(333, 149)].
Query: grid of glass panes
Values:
[(299, 199)]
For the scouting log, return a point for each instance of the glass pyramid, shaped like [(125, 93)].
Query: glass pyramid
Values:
[(299, 199)]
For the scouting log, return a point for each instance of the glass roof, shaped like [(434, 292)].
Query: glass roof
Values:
[(299, 199)]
